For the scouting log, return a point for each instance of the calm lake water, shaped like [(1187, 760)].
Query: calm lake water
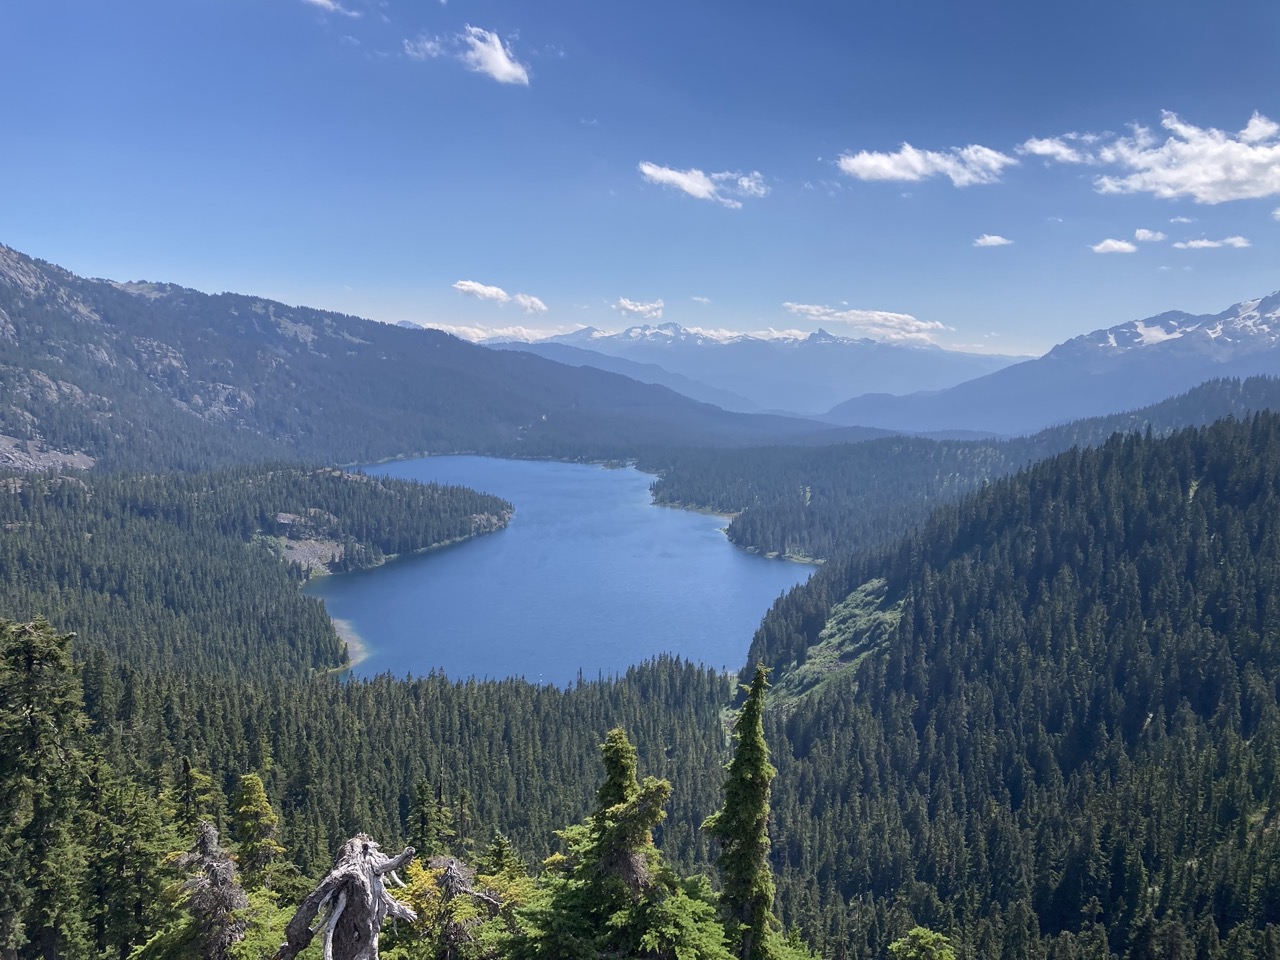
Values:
[(589, 577)]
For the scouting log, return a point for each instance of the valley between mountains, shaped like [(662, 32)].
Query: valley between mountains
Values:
[(1026, 706)]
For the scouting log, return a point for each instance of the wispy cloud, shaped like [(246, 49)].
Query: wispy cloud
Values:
[(992, 240), (1238, 243), (332, 6), (878, 324), (1208, 165), (528, 334), (1276, 213), (486, 53), (637, 310), (1114, 246), (1143, 235), (963, 166), (483, 291), (1059, 149), (529, 304), (702, 300), (481, 50), (1182, 220), (424, 48), (720, 187)]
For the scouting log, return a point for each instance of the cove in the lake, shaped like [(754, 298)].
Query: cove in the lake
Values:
[(589, 578)]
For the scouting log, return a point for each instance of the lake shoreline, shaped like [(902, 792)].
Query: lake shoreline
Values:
[(357, 650), (593, 579)]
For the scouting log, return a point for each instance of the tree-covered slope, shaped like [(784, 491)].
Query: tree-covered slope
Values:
[(1046, 723), (198, 570), (823, 501), (1061, 735), (147, 376)]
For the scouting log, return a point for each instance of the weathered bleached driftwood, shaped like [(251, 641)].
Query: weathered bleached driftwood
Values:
[(353, 901)]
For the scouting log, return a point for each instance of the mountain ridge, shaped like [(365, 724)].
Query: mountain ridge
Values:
[(144, 375), (804, 375), (1126, 366)]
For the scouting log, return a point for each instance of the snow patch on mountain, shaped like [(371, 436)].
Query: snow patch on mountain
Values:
[(1245, 327)]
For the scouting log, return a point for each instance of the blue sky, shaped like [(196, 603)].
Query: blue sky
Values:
[(745, 166)]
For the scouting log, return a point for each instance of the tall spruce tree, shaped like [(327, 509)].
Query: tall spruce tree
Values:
[(42, 787), (255, 826), (742, 828), (612, 895)]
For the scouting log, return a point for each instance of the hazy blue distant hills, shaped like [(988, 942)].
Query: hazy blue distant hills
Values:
[(149, 375), (1127, 366), (800, 374), (644, 372), (820, 501)]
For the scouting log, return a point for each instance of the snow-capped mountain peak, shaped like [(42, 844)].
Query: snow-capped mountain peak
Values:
[(1242, 328)]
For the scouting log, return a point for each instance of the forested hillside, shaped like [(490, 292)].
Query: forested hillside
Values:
[(154, 376), (199, 570), (1048, 722), (1045, 724), (821, 502)]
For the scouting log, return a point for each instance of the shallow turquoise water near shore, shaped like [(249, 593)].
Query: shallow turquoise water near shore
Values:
[(589, 578)]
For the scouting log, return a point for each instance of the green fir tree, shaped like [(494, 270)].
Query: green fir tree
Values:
[(742, 828)]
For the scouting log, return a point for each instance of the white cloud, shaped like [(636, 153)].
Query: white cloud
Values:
[(634, 309), (1114, 246), (879, 324), (1182, 220), (702, 300), (1276, 213), (748, 184), (514, 332), (1055, 148), (530, 304), (424, 48), (1206, 164), (332, 6), (1238, 242), (1143, 235), (488, 54), (964, 166), (718, 187), (992, 240), (483, 291)]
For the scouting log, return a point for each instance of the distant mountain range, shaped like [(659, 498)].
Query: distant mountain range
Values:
[(644, 372), (1119, 368), (153, 375), (804, 375)]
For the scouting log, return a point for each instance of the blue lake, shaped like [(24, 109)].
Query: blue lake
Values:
[(589, 577)]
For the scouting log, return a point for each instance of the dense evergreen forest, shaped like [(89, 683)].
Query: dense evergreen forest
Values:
[(1034, 708), (1046, 723), (195, 569), (820, 502)]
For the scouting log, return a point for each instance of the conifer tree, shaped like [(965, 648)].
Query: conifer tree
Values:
[(742, 828), (42, 786), (254, 825), (194, 796), (612, 895), (430, 828), (214, 895)]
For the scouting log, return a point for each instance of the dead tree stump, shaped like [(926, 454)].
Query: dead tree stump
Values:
[(353, 901)]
